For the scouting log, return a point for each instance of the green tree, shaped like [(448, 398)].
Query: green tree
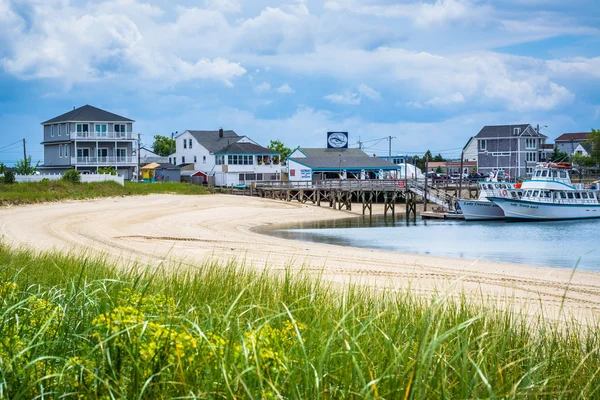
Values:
[(72, 176), (439, 158), (280, 148), (163, 146), (558, 155), (2, 168), (594, 142), (439, 170), (107, 170), (9, 177), (25, 167)]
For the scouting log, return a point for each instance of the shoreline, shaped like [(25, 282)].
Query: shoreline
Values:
[(188, 230)]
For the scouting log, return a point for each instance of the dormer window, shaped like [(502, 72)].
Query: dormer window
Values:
[(517, 131)]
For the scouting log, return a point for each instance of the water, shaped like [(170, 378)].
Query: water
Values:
[(557, 244)]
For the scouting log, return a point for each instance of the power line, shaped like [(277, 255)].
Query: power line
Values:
[(12, 144)]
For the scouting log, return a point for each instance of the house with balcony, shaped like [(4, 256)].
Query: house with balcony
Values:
[(226, 158), (88, 138), (570, 143), (515, 149)]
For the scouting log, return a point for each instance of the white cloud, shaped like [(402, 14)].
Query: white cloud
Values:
[(227, 6), (345, 98), (285, 89), (366, 91), (263, 87), (454, 98)]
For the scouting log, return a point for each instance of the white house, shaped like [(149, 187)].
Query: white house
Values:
[(229, 158), (470, 150)]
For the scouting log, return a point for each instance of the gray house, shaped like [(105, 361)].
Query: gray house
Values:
[(513, 148), (88, 138), (568, 142)]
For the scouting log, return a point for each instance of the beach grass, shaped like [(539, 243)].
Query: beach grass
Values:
[(38, 192), (81, 326)]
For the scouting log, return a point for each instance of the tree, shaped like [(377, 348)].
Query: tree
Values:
[(72, 176), (280, 148), (558, 155), (163, 146), (594, 142), (439, 170), (2, 168), (439, 158), (25, 167)]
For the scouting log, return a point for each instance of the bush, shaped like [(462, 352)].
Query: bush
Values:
[(107, 170), (9, 177), (72, 176)]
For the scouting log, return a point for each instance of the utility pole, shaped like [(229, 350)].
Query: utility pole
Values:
[(139, 157), (360, 143), (390, 147), (462, 158), (425, 188), (24, 151)]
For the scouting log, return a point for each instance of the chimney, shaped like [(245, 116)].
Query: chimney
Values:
[(220, 132)]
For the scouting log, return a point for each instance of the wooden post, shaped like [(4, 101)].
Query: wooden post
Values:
[(425, 188), (462, 157)]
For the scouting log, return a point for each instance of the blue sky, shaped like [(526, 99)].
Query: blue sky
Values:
[(431, 73)]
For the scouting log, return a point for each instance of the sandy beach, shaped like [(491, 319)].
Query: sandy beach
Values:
[(191, 229)]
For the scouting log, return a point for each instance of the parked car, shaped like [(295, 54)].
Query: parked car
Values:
[(476, 176)]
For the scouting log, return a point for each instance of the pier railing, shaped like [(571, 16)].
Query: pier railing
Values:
[(352, 184)]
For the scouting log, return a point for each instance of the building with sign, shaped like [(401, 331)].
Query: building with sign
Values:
[(307, 164)]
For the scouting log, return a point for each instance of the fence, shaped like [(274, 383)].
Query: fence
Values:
[(85, 178)]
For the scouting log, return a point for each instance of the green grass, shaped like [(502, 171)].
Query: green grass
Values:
[(81, 326), (28, 193)]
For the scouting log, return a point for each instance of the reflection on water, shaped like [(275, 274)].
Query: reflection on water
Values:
[(556, 243)]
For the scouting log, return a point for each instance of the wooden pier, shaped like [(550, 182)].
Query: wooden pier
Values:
[(341, 194)]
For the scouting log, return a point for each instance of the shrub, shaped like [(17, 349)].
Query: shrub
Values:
[(72, 176), (9, 177), (107, 170)]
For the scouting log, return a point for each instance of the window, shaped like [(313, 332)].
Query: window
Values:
[(183, 159), (259, 177), (536, 193), (121, 154), (241, 177), (194, 156), (190, 143), (547, 194), (219, 160), (538, 173), (555, 174), (60, 151), (101, 130), (563, 174), (67, 150), (51, 130), (544, 174), (577, 195), (203, 159), (570, 195), (483, 144), (58, 129), (184, 144), (531, 143), (531, 156), (517, 131), (530, 171), (230, 160), (102, 153), (169, 160), (584, 195), (120, 130), (563, 195), (501, 154)]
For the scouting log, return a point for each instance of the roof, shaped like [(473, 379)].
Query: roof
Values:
[(245, 148), (587, 146), (160, 166), (548, 146), (88, 113), (151, 166), (343, 162), (468, 142), (495, 131), (573, 137), (211, 141), (321, 152)]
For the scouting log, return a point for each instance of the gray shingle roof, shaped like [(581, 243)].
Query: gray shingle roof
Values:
[(344, 162), (211, 141), (495, 131), (88, 113), (317, 152), (245, 148)]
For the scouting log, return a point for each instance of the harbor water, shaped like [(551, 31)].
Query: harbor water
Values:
[(562, 244)]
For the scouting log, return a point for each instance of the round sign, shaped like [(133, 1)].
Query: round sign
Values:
[(337, 140)]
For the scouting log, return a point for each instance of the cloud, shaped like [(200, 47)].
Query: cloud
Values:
[(104, 40), (454, 98), (345, 98), (366, 91), (226, 6), (262, 88), (285, 89)]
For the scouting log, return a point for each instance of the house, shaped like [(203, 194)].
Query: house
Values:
[(568, 142), (584, 149), (470, 150), (147, 156), (307, 164), (546, 153), (453, 167), (513, 148), (164, 172), (398, 159), (88, 138), (227, 157)]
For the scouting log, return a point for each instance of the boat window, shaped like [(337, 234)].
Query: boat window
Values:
[(563, 195), (584, 195), (547, 194), (514, 195), (555, 174), (577, 195), (538, 173), (592, 195), (544, 174), (563, 174), (536, 193), (570, 195)]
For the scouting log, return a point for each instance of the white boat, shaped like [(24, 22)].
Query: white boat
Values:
[(550, 195), (483, 209)]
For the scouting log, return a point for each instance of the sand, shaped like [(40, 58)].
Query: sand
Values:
[(191, 229)]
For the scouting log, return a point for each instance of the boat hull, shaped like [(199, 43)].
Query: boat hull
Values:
[(480, 210), (535, 211)]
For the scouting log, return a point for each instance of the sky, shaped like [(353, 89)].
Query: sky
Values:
[(429, 73)]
